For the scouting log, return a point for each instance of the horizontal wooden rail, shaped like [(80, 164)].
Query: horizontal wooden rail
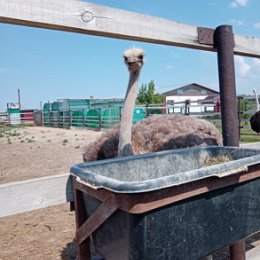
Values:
[(88, 18), (23, 196)]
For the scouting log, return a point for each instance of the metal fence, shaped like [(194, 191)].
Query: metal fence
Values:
[(100, 117), (84, 118), (105, 118), (21, 118)]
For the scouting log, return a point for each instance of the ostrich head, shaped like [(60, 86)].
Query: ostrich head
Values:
[(134, 59)]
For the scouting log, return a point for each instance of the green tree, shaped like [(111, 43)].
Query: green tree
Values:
[(146, 94), (142, 95)]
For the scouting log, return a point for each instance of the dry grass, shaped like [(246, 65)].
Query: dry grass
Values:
[(216, 160)]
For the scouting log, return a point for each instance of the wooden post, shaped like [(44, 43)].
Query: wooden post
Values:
[(239, 115), (83, 118), (147, 110), (100, 118), (59, 124), (83, 249), (164, 110), (120, 114), (49, 113), (70, 118)]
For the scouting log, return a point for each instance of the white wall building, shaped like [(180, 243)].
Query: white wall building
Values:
[(198, 99)]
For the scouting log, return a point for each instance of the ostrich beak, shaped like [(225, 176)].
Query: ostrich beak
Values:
[(134, 64)]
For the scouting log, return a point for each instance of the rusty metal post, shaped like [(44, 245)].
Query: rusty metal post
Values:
[(237, 250), (224, 43)]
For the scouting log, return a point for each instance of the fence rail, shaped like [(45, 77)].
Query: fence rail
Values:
[(88, 18), (23, 196)]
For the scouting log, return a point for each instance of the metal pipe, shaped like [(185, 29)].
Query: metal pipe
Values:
[(19, 98), (256, 100), (224, 43), (237, 250), (239, 115)]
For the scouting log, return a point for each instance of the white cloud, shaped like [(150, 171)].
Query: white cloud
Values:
[(247, 74), (256, 62), (257, 25), (238, 3), (236, 22), (242, 66)]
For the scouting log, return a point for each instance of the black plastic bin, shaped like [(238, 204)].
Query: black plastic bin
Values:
[(176, 204)]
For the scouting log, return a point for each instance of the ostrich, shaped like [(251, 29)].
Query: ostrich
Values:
[(153, 134), (255, 119)]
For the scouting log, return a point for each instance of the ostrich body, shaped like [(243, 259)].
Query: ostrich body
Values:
[(156, 133), (255, 119)]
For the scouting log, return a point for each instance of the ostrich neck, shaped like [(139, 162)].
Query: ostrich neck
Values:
[(125, 144), (256, 100)]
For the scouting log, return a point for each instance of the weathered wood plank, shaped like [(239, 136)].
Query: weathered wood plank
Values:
[(88, 18), (19, 197)]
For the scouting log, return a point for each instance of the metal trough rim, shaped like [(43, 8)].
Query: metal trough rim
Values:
[(97, 181)]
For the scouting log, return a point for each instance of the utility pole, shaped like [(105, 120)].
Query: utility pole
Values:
[(19, 98)]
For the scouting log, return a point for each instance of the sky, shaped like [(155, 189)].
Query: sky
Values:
[(47, 65)]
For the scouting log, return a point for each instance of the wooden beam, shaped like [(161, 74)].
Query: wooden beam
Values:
[(19, 197), (88, 18)]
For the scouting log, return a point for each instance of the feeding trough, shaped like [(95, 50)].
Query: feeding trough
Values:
[(178, 204)]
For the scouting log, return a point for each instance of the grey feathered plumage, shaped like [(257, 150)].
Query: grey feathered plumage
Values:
[(157, 133)]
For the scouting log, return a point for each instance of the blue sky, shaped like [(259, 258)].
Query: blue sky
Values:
[(47, 65)]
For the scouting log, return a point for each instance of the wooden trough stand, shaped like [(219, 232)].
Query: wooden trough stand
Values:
[(87, 18), (167, 205)]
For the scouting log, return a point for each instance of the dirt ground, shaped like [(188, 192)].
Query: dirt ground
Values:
[(33, 152)]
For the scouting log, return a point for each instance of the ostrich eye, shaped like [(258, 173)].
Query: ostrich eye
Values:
[(140, 57), (125, 58)]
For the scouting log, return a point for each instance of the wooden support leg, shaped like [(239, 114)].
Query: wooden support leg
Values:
[(83, 249), (237, 250), (100, 215)]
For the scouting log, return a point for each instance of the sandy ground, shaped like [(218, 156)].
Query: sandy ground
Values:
[(33, 152)]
